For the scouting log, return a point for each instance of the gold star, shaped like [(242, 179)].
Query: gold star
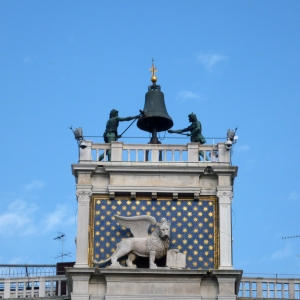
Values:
[(107, 223), (102, 239), (205, 219), (107, 233), (200, 214), (103, 207), (195, 230), (98, 201), (184, 230), (118, 212), (200, 203), (158, 213), (128, 234), (179, 247), (190, 258), (195, 208), (173, 241), (179, 236), (194, 264), (168, 203), (138, 213), (128, 202), (107, 245), (113, 218), (173, 229), (153, 208), (123, 228), (173, 208), (190, 224), (119, 202), (211, 259), (206, 264), (163, 208), (102, 228), (108, 213), (210, 214), (184, 252), (108, 202), (137, 202), (102, 250), (184, 242), (200, 247), (178, 202), (133, 208), (173, 219), (112, 250), (195, 219), (143, 208), (123, 207), (211, 225), (102, 217), (190, 236), (179, 214), (200, 225), (113, 228), (128, 213), (184, 219), (210, 203), (190, 247), (148, 202), (195, 242), (158, 202), (118, 233), (179, 224), (189, 203), (211, 248), (168, 214), (205, 242), (113, 239), (97, 255), (195, 252), (184, 208), (201, 258), (200, 236), (205, 230), (205, 209), (113, 207), (97, 212), (148, 213), (97, 223), (97, 244), (189, 214)]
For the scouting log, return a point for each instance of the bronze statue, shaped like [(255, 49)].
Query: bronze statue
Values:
[(196, 132), (111, 131)]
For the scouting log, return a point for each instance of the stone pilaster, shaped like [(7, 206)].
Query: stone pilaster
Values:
[(225, 198), (83, 198)]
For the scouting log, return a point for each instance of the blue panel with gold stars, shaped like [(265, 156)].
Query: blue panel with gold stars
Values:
[(193, 227)]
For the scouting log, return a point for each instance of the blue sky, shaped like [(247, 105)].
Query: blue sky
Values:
[(69, 63)]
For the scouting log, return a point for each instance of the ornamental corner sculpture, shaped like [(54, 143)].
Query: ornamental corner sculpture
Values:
[(153, 246)]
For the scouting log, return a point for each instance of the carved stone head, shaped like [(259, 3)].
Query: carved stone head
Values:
[(164, 228), (192, 117)]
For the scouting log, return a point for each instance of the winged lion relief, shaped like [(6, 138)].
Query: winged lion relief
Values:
[(153, 246)]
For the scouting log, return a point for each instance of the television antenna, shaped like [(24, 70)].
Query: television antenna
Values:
[(61, 237)]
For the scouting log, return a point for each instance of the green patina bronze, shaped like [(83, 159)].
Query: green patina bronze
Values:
[(196, 132), (111, 131)]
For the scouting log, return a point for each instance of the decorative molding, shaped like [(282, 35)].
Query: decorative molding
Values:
[(196, 196), (84, 195), (154, 196), (111, 195), (175, 196), (225, 196), (133, 195)]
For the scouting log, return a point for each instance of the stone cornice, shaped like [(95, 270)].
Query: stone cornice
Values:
[(83, 168)]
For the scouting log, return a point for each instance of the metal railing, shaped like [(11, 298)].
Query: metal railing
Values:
[(31, 287), (280, 288)]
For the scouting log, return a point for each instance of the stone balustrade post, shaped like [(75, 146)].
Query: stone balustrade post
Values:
[(83, 198), (225, 198), (85, 155), (116, 151), (42, 289), (193, 152), (223, 153), (7, 288)]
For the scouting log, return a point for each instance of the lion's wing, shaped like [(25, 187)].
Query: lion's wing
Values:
[(138, 225)]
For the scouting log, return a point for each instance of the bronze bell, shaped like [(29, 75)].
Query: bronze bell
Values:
[(155, 117)]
